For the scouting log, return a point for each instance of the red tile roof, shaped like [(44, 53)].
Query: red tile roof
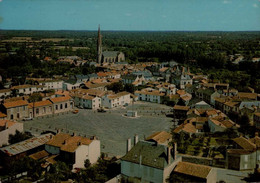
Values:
[(60, 99), (192, 169), (15, 103)]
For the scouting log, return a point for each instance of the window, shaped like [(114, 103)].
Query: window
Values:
[(37, 111), (12, 116), (61, 106), (18, 115), (56, 107), (66, 105), (43, 110), (246, 158)]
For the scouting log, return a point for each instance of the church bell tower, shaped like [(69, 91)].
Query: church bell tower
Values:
[(99, 46)]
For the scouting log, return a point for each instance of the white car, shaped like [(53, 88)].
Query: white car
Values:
[(27, 118)]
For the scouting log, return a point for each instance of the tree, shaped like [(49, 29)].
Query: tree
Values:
[(58, 172), (35, 97), (18, 137), (130, 88), (87, 163), (116, 87)]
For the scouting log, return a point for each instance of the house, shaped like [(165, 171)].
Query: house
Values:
[(52, 84), (161, 137), (62, 104), (257, 120), (245, 154), (168, 88), (198, 122), (41, 108), (230, 92), (136, 80), (187, 128), (150, 95), (98, 86), (24, 89), (185, 79), (221, 124), (148, 162), (196, 172), (87, 101), (204, 94), (15, 110), (202, 105), (146, 74), (116, 100), (5, 93), (247, 96), (180, 112), (74, 150), (72, 84), (7, 128), (19, 150)]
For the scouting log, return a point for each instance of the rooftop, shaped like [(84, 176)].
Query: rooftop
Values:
[(192, 169), (68, 143), (26, 145), (160, 137), (148, 154), (15, 103)]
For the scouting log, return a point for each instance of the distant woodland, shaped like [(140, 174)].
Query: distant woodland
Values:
[(203, 52)]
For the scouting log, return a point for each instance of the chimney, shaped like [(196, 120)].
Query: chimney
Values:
[(175, 150), (169, 149), (135, 139), (79, 143), (65, 142), (94, 137), (6, 125), (128, 145)]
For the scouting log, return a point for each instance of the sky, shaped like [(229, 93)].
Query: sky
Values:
[(139, 15)]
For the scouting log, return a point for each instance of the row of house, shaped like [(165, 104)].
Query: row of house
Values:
[(20, 109)]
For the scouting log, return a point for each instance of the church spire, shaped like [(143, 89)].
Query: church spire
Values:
[(99, 46)]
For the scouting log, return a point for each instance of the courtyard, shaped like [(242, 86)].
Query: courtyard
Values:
[(112, 128)]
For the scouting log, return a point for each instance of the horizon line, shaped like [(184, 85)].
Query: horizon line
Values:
[(92, 30)]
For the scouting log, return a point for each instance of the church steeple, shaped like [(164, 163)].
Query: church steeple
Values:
[(99, 46)]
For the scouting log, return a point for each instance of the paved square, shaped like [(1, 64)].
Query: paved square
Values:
[(112, 127)]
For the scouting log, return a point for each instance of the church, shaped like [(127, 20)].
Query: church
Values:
[(107, 57)]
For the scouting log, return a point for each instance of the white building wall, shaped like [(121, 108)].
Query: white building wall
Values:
[(11, 130), (94, 151), (56, 85), (68, 86), (81, 154), (146, 173), (7, 93)]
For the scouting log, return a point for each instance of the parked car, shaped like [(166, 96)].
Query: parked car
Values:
[(75, 111), (101, 110), (27, 118)]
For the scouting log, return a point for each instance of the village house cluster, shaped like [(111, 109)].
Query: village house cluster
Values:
[(200, 107)]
